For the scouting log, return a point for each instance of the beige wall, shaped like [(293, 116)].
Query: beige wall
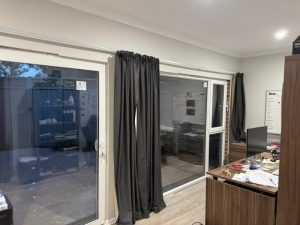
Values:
[(43, 17), (261, 74), (40, 17)]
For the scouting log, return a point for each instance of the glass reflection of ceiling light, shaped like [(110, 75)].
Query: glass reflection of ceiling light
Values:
[(281, 34)]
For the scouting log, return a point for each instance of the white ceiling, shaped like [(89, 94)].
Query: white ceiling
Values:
[(235, 27)]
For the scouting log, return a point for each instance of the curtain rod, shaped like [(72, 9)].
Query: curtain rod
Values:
[(78, 45)]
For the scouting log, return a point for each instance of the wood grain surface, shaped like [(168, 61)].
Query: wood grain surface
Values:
[(237, 151), (231, 205), (288, 207)]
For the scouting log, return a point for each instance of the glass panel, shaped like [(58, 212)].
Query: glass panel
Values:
[(215, 150), (217, 105), (48, 162), (183, 125)]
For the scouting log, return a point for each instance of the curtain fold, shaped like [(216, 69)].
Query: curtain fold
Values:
[(238, 109), (137, 137)]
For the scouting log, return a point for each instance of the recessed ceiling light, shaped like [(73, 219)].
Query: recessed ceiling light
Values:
[(281, 34)]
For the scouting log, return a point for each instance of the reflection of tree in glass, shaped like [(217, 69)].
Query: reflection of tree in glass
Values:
[(12, 69), (16, 69), (43, 71)]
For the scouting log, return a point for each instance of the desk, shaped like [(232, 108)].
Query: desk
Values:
[(230, 202)]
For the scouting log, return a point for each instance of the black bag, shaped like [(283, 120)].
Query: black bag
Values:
[(296, 46)]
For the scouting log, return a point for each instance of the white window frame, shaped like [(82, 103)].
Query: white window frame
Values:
[(220, 128), (209, 130), (216, 130), (13, 55)]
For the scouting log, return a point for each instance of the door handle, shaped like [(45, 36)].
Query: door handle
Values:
[(102, 151), (100, 146), (96, 145)]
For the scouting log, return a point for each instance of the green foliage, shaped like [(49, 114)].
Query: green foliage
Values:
[(16, 69), (12, 69)]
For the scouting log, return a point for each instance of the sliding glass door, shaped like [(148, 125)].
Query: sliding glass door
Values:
[(217, 123), (193, 119), (183, 105), (51, 127)]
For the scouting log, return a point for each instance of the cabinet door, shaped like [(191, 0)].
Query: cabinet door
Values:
[(231, 205), (289, 180)]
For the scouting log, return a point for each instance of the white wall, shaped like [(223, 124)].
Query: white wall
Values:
[(46, 18), (173, 101), (261, 74), (40, 17)]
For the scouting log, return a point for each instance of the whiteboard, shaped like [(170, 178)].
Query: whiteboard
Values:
[(273, 111)]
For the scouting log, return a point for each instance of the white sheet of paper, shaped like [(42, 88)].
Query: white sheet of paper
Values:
[(80, 85), (257, 177)]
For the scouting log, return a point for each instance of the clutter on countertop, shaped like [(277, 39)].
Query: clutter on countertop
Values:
[(257, 177)]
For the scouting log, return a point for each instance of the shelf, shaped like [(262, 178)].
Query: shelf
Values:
[(58, 106), (59, 123), (49, 141), (59, 140), (69, 149), (42, 88)]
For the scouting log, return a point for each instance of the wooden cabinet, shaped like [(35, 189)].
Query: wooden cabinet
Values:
[(288, 210), (231, 202), (227, 204), (237, 151)]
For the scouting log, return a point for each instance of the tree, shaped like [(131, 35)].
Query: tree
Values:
[(16, 69), (12, 69)]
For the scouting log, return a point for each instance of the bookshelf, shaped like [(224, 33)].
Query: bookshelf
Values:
[(56, 121)]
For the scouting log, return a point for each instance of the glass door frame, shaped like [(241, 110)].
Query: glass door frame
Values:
[(220, 128), (55, 60), (215, 130), (203, 79), (209, 129)]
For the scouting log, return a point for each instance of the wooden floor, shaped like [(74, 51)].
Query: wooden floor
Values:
[(176, 170), (183, 208)]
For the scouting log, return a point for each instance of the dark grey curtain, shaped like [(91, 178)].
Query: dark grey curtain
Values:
[(238, 109), (137, 147)]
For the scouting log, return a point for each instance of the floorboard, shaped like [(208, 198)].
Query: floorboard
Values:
[(183, 208)]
